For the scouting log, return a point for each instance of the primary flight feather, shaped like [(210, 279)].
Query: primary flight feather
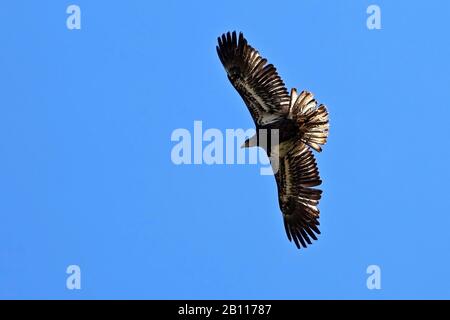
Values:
[(301, 125)]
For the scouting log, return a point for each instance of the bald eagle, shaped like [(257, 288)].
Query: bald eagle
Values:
[(301, 125)]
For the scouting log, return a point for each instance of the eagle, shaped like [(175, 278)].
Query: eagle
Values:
[(300, 124)]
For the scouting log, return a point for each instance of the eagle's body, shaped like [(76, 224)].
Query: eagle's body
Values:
[(288, 133), (299, 124)]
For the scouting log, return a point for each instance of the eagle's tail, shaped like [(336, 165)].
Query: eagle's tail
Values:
[(312, 120)]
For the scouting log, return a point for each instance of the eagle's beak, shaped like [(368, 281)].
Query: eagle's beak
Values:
[(250, 142)]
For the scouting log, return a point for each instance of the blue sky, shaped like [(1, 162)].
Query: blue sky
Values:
[(86, 176)]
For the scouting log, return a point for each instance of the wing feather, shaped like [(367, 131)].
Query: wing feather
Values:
[(257, 82), (312, 120), (296, 176)]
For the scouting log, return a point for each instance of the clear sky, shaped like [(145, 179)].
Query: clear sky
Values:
[(86, 176)]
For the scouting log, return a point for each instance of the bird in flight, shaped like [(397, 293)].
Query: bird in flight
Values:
[(300, 125)]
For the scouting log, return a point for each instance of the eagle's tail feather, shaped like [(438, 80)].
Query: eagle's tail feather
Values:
[(312, 120)]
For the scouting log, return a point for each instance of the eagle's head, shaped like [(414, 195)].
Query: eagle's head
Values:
[(250, 142)]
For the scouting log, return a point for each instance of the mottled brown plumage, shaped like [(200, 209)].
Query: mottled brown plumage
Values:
[(300, 123)]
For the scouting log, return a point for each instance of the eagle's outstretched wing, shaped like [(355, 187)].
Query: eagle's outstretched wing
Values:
[(258, 83), (296, 176)]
